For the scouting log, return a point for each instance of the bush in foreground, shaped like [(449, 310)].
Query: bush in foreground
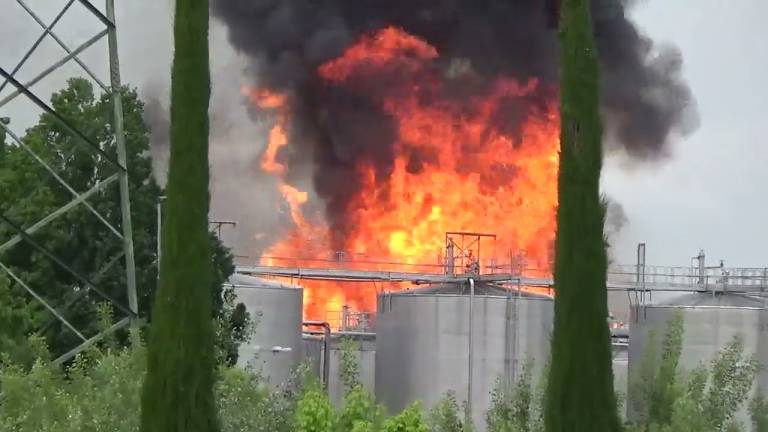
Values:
[(100, 391)]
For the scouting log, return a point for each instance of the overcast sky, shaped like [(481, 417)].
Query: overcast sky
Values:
[(709, 195)]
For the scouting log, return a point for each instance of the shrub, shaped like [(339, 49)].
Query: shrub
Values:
[(758, 412), (410, 420), (705, 399), (444, 417), (314, 412), (519, 408)]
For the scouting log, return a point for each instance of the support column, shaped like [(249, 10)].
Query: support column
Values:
[(122, 159)]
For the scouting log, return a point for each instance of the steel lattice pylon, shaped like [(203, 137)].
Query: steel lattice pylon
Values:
[(79, 198)]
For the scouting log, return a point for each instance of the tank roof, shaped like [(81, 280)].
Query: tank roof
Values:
[(481, 289), (718, 299), (242, 280)]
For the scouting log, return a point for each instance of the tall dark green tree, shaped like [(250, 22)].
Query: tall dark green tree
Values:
[(28, 193), (580, 394), (178, 388), (18, 318)]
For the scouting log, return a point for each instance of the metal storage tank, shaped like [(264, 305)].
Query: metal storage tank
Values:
[(275, 348), (423, 343), (710, 321)]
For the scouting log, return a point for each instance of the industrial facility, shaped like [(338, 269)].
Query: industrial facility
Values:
[(477, 323)]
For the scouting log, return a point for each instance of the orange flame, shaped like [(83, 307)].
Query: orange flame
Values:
[(478, 178)]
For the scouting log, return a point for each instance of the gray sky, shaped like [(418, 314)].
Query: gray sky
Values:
[(708, 195), (711, 194)]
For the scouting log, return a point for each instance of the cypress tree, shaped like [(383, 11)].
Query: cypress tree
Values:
[(178, 389), (580, 394)]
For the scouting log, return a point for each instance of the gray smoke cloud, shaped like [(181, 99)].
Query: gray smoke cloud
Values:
[(645, 100), (615, 217), (156, 117), (240, 191)]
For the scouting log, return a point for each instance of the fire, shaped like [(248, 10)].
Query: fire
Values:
[(455, 169)]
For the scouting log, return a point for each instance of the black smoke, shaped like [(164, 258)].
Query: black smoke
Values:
[(646, 103)]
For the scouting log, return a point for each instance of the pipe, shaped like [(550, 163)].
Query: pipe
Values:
[(468, 414), (326, 348), (343, 333), (508, 340)]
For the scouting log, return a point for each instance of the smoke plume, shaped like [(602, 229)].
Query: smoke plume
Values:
[(645, 101)]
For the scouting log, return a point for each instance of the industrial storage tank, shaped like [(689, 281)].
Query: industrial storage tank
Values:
[(424, 348), (710, 322), (275, 348)]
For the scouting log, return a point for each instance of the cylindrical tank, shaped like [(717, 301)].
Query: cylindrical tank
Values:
[(423, 343), (275, 348), (710, 321)]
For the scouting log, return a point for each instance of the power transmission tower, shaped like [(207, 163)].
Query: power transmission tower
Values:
[(105, 19)]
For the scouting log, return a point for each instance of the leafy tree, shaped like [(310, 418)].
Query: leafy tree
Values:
[(359, 408), (100, 391), (444, 416), (178, 392), (580, 385), (758, 412), (705, 399), (28, 193), (410, 420), (516, 409), (18, 319), (657, 387), (233, 326), (314, 412), (731, 377), (246, 404), (349, 366)]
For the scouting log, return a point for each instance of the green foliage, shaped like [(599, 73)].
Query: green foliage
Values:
[(360, 408), (516, 409), (410, 420), (704, 400), (98, 392), (245, 404), (349, 366), (18, 320), (656, 389), (314, 412), (580, 394), (444, 417), (178, 392), (758, 412), (233, 327), (362, 426), (731, 378), (101, 390), (28, 193)]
